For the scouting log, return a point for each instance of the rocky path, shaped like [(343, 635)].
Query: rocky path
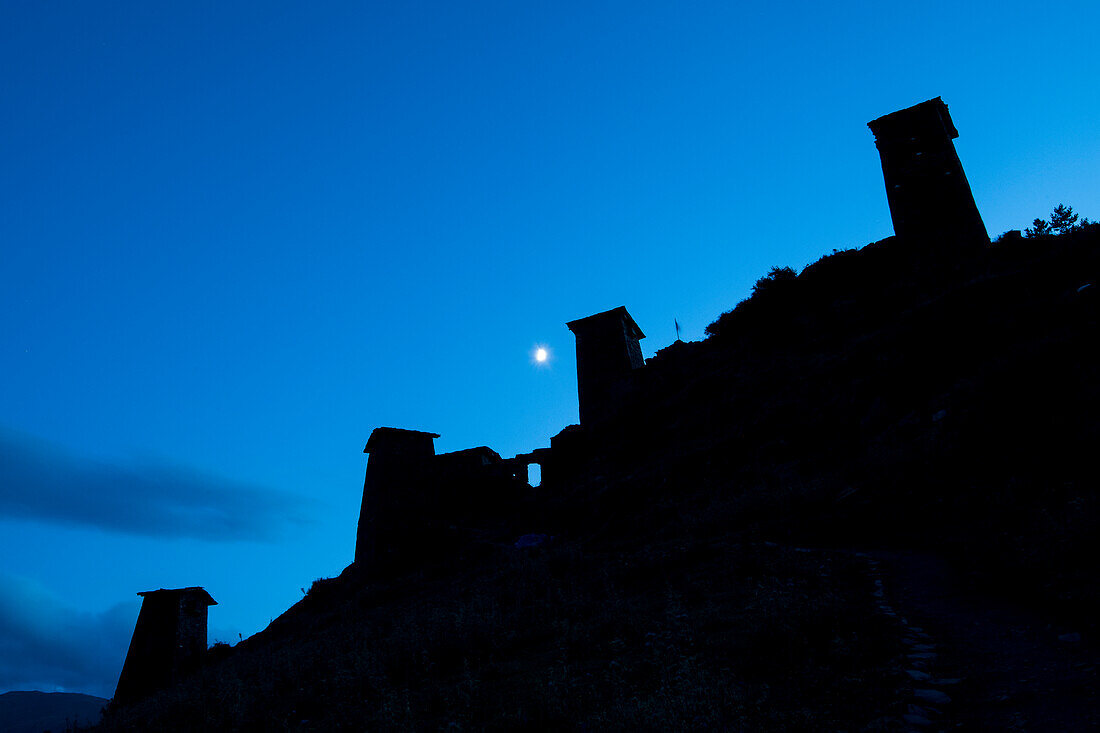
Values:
[(980, 663)]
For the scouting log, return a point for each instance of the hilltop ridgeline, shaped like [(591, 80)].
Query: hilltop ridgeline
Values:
[(876, 400)]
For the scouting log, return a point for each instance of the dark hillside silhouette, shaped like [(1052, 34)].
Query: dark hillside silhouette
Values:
[(743, 531)]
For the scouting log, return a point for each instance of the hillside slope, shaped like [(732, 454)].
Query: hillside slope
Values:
[(901, 396)]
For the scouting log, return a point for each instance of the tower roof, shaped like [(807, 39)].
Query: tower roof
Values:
[(928, 116), (381, 437), (193, 590), (599, 319)]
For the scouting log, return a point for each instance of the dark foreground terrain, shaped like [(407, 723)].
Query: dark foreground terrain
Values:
[(868, 501)]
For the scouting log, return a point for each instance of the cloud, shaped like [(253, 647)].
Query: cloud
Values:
[(41, 481), (45, 645)]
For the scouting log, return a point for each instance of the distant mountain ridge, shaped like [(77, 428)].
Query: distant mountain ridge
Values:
[(34, 712)]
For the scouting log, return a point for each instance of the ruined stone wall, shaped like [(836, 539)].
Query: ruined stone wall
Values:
[(633, 349), (191, 633)]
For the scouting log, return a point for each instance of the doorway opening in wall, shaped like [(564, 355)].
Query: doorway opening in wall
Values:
[(534, 474)]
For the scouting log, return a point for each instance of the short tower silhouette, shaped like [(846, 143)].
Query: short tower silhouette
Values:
[(930, 198), (399, 463), (607, 352), (169, 641)]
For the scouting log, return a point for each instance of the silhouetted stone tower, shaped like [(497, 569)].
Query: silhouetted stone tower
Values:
[(169, 641), (400, 460), (930, 198), (607, 352)]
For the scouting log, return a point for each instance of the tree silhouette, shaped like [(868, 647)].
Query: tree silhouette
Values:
[(1062, 220), (1038, 228)]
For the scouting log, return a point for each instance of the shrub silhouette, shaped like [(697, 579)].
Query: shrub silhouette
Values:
[(776, 280), (1038, 228)]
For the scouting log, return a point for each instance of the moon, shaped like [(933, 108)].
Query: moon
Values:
[(541, 355)]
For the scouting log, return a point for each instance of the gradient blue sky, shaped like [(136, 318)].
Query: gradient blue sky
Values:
[(236, 237)]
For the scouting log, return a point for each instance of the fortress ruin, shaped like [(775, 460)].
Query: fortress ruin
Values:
[(415, 501), (407, 484), (409, 491)]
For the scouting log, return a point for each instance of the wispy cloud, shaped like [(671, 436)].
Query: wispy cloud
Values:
[(45, 645), (44, 482)]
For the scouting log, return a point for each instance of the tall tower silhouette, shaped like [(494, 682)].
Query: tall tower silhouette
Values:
[(930, 198), (393, 491), (169, 641), (607, 352)]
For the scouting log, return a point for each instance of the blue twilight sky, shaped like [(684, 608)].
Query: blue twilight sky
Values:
[(236, 237)]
